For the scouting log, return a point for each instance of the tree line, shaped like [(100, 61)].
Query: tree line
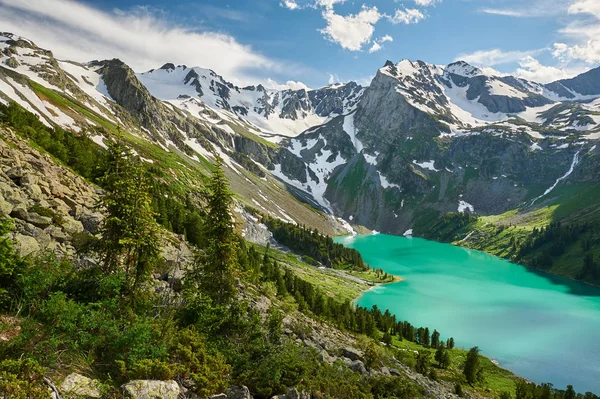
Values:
[(312, 244)]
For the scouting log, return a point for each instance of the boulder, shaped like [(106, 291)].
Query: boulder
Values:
[(38, 220), (91, 222), (79, 386), (151, 389), (219, 396), (351, 353), (395, 372), (359, 367), (72, 226), (26, 245), (20, 212), (238, 393), (5, 207)]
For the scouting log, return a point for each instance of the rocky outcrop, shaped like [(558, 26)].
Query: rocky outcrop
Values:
[(52, 209), (586, 84), (46, 202), (151, 389), (78, 386)]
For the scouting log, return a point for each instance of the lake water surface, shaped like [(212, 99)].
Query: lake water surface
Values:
[(544, 328)]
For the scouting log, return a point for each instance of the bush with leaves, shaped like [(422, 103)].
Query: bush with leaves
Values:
[(22, 379)]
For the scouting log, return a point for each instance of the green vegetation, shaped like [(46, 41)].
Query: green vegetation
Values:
[(110, 322), (554, 239), (312, 244)]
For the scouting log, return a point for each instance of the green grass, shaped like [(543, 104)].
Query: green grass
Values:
[(334, 283), (66, 104), (496, 379), (244, 132)]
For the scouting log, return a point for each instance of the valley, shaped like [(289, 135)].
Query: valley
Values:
[(451, 153)]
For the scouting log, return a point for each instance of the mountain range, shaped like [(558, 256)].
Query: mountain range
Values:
[(420, 142)]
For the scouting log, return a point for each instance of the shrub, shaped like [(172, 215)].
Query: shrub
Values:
[(22, 379)]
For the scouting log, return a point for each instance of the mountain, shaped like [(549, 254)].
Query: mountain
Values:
[(270, 113), (419, 142)]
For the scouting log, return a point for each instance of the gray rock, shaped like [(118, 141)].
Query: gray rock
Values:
[(12, 62), (351, 353), (72, 226), (78, 386), (56, 233), (219, 396), (5, 207), (151, 389), (38, 220), (91, 222), (239, 393), (395, 372), (359, 367), (26, 245), (20, 212)]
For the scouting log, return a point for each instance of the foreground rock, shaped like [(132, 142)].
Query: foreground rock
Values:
[(150, 389), (79, 386)]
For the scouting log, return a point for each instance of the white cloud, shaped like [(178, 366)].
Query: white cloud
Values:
[(290, 84), (351, 31), (408, 16), (328, 4), (377, 44), (495, 57), (141, 39), (333, 78), (532, 69), (585, 7), (427, 3), (295, 5), (503, 12), (588, 52), (530, 8), (291, 4), (375, 47)]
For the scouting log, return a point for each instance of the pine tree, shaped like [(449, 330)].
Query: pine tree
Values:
[(220, 258), (450, 343), (422, 363), (570, 392), (473, 371), (130, 235), (435, 339)]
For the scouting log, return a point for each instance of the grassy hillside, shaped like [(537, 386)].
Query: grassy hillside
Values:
[(555, 237)]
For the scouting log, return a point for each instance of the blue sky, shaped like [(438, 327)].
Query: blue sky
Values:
[(314, 42)]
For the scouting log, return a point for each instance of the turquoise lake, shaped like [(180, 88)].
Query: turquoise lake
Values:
[(544, 328)]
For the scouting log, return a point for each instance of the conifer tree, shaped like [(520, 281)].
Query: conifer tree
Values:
[(435, 339), (472, 370), (130, 234), (220, 257)]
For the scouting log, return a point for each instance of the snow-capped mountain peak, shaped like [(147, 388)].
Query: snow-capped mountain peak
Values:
[(273, 113)]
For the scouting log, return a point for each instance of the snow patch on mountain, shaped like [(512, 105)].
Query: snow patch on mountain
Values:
[(429, 165), (351, 131), (464, 206)]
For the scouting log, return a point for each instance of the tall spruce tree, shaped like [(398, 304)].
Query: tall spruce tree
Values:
[(130, 234), (220, 258), (473, 370)]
